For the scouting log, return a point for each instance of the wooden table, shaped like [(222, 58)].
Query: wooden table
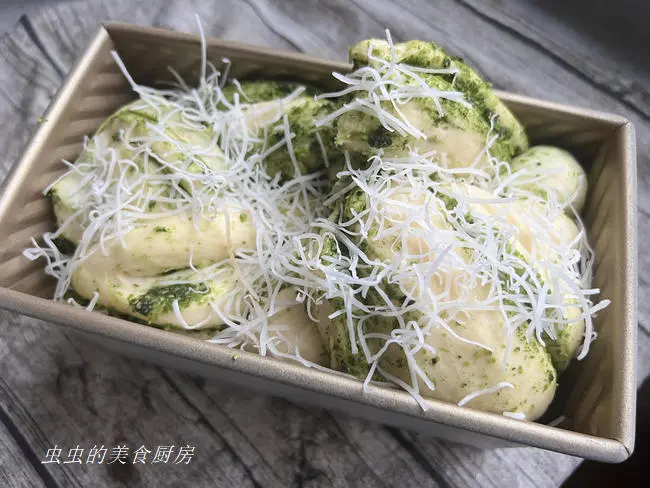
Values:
[(59, 390)]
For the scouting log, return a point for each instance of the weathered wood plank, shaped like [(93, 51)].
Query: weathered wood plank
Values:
[(26, 86), (315, 446), (69, 26), (15, 468), (72, 393), (595, 51), (468, 466), (385, 455)]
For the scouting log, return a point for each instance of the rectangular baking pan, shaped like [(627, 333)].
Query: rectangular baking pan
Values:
[(597, 396)]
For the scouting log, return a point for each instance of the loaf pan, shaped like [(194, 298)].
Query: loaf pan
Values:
[(596, 397)]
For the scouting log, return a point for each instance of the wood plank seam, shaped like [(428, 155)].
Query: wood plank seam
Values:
[(28, 451)]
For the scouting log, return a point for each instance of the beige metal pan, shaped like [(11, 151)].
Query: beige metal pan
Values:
[(596, 395)]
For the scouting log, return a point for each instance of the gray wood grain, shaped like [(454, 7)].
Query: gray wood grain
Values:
[(15, 468), (611, 66), (26, 86), (59, 389)]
